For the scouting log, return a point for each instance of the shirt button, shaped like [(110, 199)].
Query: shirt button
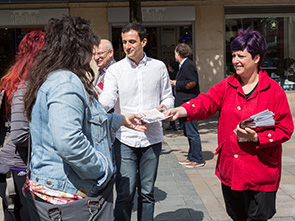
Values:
[(37, 179), (269, 135), (271, 140), (188, 102), (236, 155), (48, 182), (239, 108), (193, 105), (99, 120)]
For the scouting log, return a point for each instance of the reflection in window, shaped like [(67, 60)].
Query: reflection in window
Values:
[(278, 31)]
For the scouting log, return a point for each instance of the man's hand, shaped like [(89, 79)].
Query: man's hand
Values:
[(132, 121), (177, 112), (190, 85), (162, 107), (247, 133)]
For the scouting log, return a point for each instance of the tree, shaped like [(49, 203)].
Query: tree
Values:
[(135, 11)]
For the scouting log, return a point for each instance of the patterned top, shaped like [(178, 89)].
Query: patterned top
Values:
[(51, 195), (101, 74)]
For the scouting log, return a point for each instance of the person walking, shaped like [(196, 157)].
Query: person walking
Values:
[(71, 167), (139, 84), (186, 88), (249, 161)]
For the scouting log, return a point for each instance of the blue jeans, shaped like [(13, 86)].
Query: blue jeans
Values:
[(136, 167), (194, 140)]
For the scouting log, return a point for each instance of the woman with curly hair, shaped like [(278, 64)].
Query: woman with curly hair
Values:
[(15, 152), (71, 168)]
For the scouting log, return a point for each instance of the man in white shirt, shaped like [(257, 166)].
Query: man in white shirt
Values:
[(139, 83)]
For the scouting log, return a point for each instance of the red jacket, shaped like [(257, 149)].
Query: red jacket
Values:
[(246, 165)]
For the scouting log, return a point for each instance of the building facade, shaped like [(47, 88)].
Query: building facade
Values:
[(207, 25)]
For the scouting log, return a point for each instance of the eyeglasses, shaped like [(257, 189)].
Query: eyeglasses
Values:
[(101, 53)]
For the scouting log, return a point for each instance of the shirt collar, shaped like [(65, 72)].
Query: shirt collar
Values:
[(264, 80), (142, 62), (104, 69), (181, 63)]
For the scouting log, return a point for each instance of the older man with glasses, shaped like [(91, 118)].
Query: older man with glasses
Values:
[(104, 57)]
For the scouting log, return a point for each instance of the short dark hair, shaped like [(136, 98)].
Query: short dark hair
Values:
[(253, 41), (184, 50), (136, 27)]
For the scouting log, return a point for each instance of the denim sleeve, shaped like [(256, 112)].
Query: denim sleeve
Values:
[(66, 111), (115, 123)]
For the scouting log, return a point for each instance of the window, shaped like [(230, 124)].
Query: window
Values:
[(279, 33)]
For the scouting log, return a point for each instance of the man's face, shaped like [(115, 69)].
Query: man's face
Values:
[(133, 46), (102, 55), (176, 55)]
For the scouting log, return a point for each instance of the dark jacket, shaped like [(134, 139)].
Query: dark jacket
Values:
[(186, 74)]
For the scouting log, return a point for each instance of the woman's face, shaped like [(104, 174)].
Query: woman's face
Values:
[(244, 64)]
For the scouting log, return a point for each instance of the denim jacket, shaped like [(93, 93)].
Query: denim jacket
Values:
[(71, 137)]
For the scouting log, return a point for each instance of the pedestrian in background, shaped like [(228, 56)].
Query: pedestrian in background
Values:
[(71, 167), (250, 172), (15, 153), (137, 83), (186, 88)]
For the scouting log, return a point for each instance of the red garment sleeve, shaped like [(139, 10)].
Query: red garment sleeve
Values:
[(206, 105)]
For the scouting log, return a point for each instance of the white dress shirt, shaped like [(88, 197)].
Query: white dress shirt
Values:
[(138, 88)]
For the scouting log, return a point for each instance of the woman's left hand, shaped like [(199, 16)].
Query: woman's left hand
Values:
[(132, 121), (247, 133)]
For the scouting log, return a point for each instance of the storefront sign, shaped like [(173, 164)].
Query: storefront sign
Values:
[(154, 14), (29, 17), (20, 17)]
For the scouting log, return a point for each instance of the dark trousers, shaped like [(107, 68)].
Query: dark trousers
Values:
[(194, 140), (20, 211), (136, 167), (8, 215), (249, 205)]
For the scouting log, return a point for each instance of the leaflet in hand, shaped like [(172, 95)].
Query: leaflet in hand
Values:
[(152, 116), (260, 120)]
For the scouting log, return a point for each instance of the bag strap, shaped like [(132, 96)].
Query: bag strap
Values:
[(28, 159), (54, 214)]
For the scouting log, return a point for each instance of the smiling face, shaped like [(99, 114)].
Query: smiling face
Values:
[(244, 64), (103, 54), (133, 46)]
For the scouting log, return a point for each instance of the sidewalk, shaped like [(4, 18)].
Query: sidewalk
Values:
[(195, 194)]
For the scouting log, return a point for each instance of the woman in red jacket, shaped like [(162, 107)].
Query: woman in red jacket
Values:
[(249, 171)]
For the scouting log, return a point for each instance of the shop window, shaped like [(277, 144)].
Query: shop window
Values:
[(279, 33)]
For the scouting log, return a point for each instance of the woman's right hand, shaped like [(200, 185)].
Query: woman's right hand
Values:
[(175, 113)]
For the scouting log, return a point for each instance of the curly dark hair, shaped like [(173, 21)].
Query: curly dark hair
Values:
[(69, 46)]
